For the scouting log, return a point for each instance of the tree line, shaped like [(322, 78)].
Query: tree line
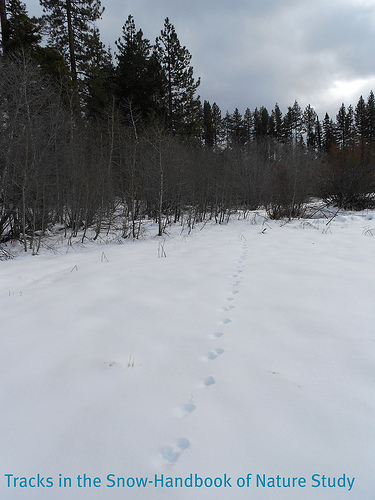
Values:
[(90, 140)]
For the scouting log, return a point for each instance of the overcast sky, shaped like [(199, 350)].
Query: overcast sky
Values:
[(257, 52)]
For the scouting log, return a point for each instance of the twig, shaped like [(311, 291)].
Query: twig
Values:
[(161, 251)]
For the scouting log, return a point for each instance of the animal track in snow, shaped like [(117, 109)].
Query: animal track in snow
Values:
[(171, 453), (189, 407), (209, 381), (234, 292), (228, 308), (225, 321), (217, 335), (186, 409), (214, 354)]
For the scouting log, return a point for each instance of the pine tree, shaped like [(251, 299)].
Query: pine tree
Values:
[(309, 125), (277, 117), (4, 26), (139, 79), (24, 33), (227, 128), (208, 126), (248, 125), (217, 124), (72, 31), (97, 85), (318, 134), (329, 134), (182, 107), (271, 125), (341, 125), (261, 122), (287, 125), (294, 123), (360, 120), (345, 125), (370, 115), (350, 122), (238, 131), (19, 30)]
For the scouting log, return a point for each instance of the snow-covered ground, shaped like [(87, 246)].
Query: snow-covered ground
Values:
[(249, 348)]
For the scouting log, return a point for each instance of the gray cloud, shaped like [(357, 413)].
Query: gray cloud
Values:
[(256, 52)]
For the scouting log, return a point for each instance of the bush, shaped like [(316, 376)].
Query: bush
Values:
[(290, 183), (348, 177)]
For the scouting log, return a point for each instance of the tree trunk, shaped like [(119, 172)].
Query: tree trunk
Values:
[(73, 65), (161, 192), (4, 26)]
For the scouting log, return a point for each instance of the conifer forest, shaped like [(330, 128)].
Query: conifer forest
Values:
[(91, 139)]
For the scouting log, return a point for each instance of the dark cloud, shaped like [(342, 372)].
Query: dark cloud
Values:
[(256, 52)]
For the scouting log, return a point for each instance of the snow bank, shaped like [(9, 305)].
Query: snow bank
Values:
[(243, 359)]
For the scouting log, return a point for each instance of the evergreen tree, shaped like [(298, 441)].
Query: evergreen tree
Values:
[(344, 125), (309, 126), (238, 131), (271, 125), (329, 133), (318, 134), (227, 128), (370, 117), (360, 120), (72, 31), (19, 31), (208, 126), (278, 129), (138, 74), (97, 87), (23, 33), (261, 122), (350, 122), (4, 26), (248, 124), (287, 125), (182, 107), (294, 123), (217, 124)]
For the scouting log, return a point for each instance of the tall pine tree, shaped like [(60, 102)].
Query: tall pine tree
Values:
[(278, 128), (370, 114), (182, 106), (344, 125), (261, 122), (72, 31), (208, 126), (329, 134), (138, 76), (293, 123), (217, 123), (19, 30), (309, 126), (4, 26)]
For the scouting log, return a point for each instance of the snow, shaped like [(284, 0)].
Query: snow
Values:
[(248, 349)]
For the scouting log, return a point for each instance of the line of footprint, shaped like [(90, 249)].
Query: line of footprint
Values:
[(171, 453)]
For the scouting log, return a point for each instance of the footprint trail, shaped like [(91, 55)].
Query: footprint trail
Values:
[(172, 452)]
